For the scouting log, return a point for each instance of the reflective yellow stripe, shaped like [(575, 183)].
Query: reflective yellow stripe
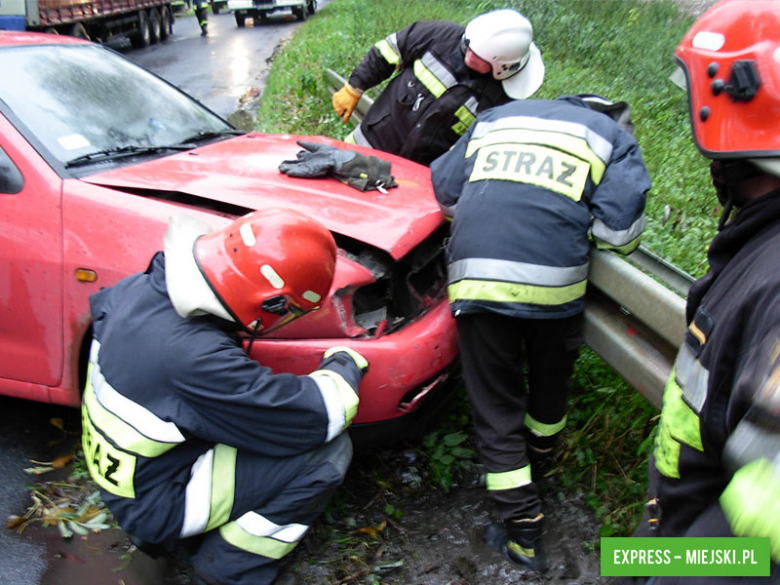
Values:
[(428, 79), (751, 505), (679, 425), (697, 333), (259, 545), (111, 468), (624, 249), (120, 432), (466, 120), (577, 147), (508, 480), (513, 546), (223, 485), (543, 429), (388, 53), (507, 292)]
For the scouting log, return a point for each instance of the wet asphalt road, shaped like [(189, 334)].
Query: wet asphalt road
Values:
[(218, 70)]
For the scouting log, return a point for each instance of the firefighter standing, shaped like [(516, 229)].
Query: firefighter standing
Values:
[(447, 75), (185, 435), (525, 186), (202, 14), (715, 470)]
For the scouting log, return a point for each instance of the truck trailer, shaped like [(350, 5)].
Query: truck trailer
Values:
[(142, 21)]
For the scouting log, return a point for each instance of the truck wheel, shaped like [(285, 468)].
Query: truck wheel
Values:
[(300, 13), (240, 20), (214, 7), (312, 6), (155, 25), (166, 23), (78, 31), (142, 37)]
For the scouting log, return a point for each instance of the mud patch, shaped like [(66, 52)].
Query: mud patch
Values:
[(385, 528)]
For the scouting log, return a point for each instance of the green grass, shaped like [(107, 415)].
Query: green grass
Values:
[(621, 49)]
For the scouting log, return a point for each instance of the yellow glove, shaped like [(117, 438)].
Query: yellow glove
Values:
[(345, 100)]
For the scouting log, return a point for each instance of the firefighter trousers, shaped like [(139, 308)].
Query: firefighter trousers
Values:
[(275, 501), (508, 413)]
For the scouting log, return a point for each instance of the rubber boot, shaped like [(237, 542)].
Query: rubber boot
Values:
[(520, 542)]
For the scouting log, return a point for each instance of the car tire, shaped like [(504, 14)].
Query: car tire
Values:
[(300, 13), (155, 26), (166, 23), (142, 37), (78, 31), (214, 7), (312, 7), (240, 20)]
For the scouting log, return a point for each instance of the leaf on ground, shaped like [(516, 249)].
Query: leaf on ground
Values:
[(39, 470), (57, 422), (61, 462), (373, 531), (14, 522)]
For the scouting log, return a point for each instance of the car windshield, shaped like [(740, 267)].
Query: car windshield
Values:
[(83, 99)]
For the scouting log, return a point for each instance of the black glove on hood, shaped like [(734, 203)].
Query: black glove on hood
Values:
[(365, 173)]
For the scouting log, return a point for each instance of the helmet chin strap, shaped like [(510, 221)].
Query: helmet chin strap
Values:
[(726, 176)]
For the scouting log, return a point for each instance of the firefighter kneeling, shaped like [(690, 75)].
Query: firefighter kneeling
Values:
[(189, 438)]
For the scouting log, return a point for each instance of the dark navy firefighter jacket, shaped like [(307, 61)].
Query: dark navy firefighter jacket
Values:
[(528, 186)]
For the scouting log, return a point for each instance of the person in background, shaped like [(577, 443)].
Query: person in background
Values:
[(447, 74), (527, 187), (189, 439), (715, 469), (202, 14)]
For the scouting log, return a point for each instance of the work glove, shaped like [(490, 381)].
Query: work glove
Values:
[(345, 100), (365, 173), (346, 362)]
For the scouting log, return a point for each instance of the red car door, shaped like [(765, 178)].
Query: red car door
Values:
[(31, 300)]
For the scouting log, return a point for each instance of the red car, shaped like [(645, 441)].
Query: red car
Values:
[(96, 154)]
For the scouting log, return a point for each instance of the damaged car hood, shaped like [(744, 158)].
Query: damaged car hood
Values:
[(242, 174)]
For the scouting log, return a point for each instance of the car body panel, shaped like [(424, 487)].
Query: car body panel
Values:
[(108, 223)]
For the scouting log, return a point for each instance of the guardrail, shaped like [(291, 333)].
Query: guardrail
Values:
[(634, 310)]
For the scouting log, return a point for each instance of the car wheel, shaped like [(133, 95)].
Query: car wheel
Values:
[(142, 37), (240, 20), (214, 8), (312, 6), (166, 23), (155, 25), (300, 13), (78, 31)]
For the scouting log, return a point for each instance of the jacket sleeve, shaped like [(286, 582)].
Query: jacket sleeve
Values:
[(448, 175), (750, 504), (227, 397), (618, 202), (394, 52)]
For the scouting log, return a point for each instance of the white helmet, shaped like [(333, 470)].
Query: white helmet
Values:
[(504, 39)]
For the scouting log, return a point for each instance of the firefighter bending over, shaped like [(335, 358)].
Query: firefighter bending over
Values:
[(447, 74), (526, 186)]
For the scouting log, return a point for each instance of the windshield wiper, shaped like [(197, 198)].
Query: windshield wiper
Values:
[(123, 151)]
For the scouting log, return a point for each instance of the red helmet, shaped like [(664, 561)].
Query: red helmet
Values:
[(268, 267), (731, 59)]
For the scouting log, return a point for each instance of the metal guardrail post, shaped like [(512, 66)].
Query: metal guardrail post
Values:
[(634, 319)]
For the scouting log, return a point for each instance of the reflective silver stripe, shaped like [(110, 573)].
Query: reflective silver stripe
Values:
[(333, 405), (619, 238), (472, 105), (691, 377), (749, 443), (197, 500), (441, 73), (520, 272), (258, 525), (598, 144), (359, 138), (392, 40), (137, 416)]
